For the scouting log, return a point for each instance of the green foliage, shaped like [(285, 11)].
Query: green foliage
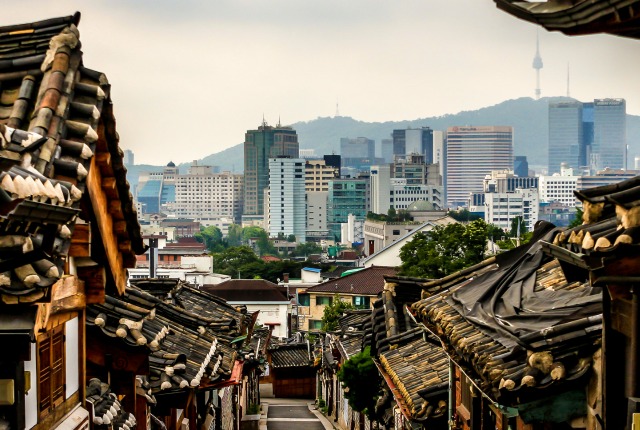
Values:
[(306, 249), (212, 238), (391, 216), (332, 312), (577, 219), (291, 238), (463, 215), (234, 237), (232, 260), (361, 380), (514, 226), (253, 409), (444, 250)]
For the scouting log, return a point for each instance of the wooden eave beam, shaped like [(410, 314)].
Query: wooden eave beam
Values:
[(110, 188), (102, 209)]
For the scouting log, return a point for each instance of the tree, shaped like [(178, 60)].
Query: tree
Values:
[(463, 215), (514, 227), (211, 237), (577, 219), (234, 237), (231, 260), (332, 312), (361, 380), (444, 250), (306, 249), (291, 238)]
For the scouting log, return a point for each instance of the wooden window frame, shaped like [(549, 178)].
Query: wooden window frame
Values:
[(51, 361)]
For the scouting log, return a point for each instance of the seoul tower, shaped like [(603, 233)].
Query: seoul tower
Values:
[(537, 64)]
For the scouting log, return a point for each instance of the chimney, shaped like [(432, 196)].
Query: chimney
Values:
[(153, 256)]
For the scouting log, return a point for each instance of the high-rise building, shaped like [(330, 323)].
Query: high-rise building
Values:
[(414, 141), (380, 186), (261, 144), (609, 148), (203, 194), (318, 173), (358, 152), (287, 209), (128, 158), (346, 196), (472, 153), (591, 135), (386, 150), (521, 166), (157, 188)]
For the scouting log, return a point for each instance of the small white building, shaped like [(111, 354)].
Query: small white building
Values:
[(559, 188), (502, 208)]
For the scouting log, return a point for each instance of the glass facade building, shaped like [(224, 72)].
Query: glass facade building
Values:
[(346, 196), (260, 145)]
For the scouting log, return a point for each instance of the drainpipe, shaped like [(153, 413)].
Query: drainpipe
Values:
[(153, 256)]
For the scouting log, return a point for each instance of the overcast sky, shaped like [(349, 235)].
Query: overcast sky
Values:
[(190, 77)]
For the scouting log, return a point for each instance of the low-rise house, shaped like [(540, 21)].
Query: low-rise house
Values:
[(68, 227), (292, 372), (266, 298), (359, 288), (390, 254)]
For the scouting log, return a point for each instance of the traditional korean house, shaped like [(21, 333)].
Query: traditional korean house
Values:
[(292, 373), (68, 227), (188, 347), (523, 338), (605, 249)]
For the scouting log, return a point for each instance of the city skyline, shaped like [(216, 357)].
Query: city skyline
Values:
[(224, 65)]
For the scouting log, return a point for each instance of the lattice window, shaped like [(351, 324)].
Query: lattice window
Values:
[(51, 366)]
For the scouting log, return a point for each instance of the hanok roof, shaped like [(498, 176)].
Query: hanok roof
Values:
[(248, 290), (185, 349), (366, 282), (579, 17), (490, 322), (290, 355), (59, 154)]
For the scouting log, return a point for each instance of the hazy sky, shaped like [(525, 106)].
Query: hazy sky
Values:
[(189, 77)]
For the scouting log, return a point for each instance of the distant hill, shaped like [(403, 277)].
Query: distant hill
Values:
[(527, 116)]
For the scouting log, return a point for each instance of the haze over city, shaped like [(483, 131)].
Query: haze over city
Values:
[(191, 77)]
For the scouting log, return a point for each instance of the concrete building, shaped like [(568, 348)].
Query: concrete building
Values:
[(261, 144), (287, 209), (380, 186), (559, 188), (505, 181), (317, 228), (379, 234), (359, 152), (414, 141), (203, 194), (502, 208), (605, 177), (318, 173), (472, 153)]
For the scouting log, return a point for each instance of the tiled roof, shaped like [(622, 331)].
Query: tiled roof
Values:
[(557, 321), (185, 349), (420, 375), (248, 290), (290, 355), (56, 124), (366, 282), (105, 407)]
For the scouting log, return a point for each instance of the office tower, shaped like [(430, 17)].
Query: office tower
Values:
[(589, 135), (386, 150), (203, 194), (357, 152), (505, 181), (318, 174), (609, 147), (287, 210), (346, 196), (261, 144), (502, 208), (380, 188), (520, 166), (566, 135), (472, 153), (157, 188), (414, 141), (414, 169)]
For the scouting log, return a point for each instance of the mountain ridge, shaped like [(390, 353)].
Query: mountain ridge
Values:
[(527, 116)]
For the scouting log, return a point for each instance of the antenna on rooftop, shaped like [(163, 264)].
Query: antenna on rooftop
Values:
[(337, 109)]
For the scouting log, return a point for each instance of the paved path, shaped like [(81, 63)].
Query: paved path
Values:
[(291, 414)]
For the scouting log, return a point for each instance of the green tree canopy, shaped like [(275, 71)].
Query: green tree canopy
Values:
[(211, 237), (444, 250), (463, 215), (361, 380), (332, 312), (577, 219), (234, 237), (232, 260), (306, 249)]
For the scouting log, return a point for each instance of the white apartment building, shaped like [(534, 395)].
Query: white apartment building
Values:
[(502, 208), (380, 177), (287, 208), (559, 188), (203, 194)]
